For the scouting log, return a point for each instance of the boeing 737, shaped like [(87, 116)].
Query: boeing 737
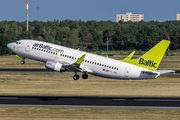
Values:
[(59, 58)]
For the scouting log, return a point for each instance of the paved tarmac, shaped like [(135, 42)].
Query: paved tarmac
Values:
[(95, 102)]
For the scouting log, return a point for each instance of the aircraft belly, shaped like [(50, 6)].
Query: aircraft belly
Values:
[(105, 72)]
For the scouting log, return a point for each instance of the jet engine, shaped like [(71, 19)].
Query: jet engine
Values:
[(52, 65)]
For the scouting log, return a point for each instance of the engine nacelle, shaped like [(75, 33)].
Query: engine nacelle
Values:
[(52, 65)]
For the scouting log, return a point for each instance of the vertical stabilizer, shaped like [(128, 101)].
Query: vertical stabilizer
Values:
[(152, 58)]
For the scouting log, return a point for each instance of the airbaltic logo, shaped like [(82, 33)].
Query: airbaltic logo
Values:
[(149, 63), (47, 47)]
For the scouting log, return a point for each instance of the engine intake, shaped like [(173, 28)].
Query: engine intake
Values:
[(52, 65)]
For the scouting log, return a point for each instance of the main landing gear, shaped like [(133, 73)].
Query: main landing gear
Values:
[(76, 77), (84, 76)]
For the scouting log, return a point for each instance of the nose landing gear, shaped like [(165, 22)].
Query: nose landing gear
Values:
[(22, 62)]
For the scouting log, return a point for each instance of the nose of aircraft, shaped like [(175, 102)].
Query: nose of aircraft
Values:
[(9, 45)]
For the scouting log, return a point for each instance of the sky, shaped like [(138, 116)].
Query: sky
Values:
[(48, 10)]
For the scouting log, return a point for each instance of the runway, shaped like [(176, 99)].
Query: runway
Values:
[(95, 102), (25, 70)]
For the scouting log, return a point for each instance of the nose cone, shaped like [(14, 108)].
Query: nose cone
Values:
[(9, 45)]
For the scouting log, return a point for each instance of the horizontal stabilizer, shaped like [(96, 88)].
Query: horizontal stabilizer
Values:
[(150, 72), (166, 71), (130, 56)]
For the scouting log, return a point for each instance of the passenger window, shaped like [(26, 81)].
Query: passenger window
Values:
[(95, 63), (37, 48), (109, 66), (85, 60), (92, 62), (44, 50), (112, 67), (72, 57), (117, 68), (65, 55), (69, 56), (102, 65), (99, 64)]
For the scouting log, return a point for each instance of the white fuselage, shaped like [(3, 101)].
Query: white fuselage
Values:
[(99, 65)]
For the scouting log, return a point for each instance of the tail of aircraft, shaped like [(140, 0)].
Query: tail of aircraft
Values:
[(152, 58)]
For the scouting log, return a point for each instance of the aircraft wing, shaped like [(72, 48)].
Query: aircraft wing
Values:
[(77, 66)]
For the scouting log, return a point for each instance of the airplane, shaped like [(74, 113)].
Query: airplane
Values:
[(59, 58)]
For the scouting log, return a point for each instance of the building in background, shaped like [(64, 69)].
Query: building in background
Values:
[(129, 17), (178, 17)]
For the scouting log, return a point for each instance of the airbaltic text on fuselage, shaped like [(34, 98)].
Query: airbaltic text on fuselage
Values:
[(149, 63), (47, 47)]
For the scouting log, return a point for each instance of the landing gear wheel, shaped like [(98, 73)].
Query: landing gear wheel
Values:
[(22, 62), (84, 76), (76, 77)]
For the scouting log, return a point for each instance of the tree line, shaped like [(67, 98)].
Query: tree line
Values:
[(92, 35)]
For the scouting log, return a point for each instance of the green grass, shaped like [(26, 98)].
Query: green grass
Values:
[(63, 84), (82, 114)]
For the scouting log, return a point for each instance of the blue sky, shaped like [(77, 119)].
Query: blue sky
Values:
[(98, 10)]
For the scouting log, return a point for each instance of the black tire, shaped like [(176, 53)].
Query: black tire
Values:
[(84, 76), (76, 77), (22, 62)]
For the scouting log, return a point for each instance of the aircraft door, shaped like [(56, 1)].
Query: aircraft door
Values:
[(126, 72), (28, 45)]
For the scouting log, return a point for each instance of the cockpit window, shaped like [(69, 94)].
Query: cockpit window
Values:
[(17, 42)]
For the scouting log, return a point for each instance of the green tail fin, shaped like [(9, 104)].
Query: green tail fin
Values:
[(152, 58)]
